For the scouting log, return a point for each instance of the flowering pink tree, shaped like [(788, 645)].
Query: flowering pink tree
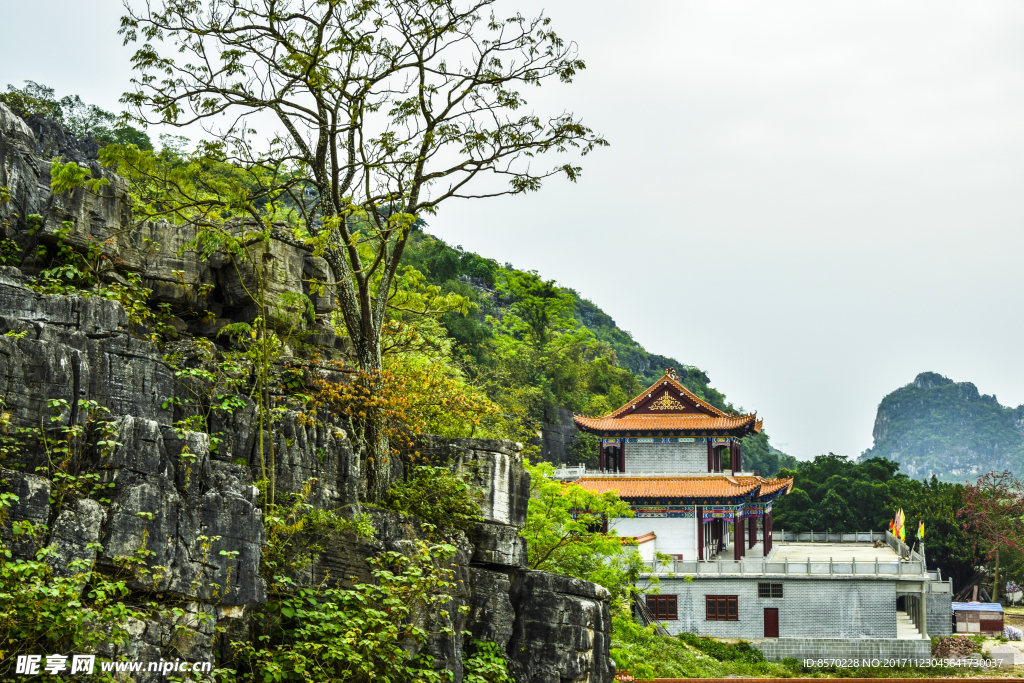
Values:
[(993, 516)]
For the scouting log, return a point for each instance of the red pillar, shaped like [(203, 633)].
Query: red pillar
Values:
[(700, 533), (752, 537), (767, 533), (737, 546), (622, 455)]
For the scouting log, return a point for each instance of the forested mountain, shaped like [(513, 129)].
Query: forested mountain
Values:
[(544, 347), (937, 426)]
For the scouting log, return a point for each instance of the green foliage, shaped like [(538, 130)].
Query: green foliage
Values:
[(542, 305), (537, 347), (647, 655), (296, 531), (86, 271), (760, 457), (43, 613), (564, 534), (584, 450), (371, 632), (833, 493), (438, 496), (10, 252), (214, 383), (33, 100), (66, 446), (76, 116), (64, 177), (484, 662), (737, 652)]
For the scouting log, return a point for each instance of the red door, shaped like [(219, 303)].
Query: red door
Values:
[(771, 622)]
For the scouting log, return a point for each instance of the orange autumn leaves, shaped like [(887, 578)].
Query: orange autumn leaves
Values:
[(416, 400)]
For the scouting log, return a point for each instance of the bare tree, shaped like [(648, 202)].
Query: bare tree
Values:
[(386, 109)]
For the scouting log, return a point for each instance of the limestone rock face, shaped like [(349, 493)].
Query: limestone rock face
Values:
[(562, 630), (496, 467), (557, 436), (499, 545), (189, 506)]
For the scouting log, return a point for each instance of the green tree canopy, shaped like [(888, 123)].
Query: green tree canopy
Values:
[(833, 493), (386, 109)]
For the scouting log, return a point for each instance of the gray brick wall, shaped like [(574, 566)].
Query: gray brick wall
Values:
[(808, 608), (940, 612), (667, 457), (828, 648)]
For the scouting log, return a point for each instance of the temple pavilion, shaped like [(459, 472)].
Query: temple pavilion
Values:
[(677, 460)]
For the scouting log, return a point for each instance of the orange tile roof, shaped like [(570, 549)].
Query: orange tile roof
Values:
[(682, 487), (645, 423), (637, 540), (673, 382), (773, 485), (718, 420)]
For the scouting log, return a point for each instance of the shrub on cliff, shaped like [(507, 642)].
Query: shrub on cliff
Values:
[(438, 496), (371, 632)]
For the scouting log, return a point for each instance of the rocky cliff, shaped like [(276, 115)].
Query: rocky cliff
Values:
[(191, 504), (937, 426)]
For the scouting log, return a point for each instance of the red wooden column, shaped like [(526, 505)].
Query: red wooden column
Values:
[(737, 546), (622, 455), (700, 533), (711, 456), (752, 536), (767, 533)]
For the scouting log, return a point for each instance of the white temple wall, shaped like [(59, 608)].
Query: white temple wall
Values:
[(675, 458), (676, 535)]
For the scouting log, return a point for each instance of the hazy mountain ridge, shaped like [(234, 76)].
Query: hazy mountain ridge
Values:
[(935, 425)]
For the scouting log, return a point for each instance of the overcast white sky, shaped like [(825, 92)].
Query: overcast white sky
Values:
[(813, 202)]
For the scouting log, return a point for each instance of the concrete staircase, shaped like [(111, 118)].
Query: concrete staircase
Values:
[(905, 629)]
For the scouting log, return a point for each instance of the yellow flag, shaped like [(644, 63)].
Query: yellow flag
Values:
[(920, 530)]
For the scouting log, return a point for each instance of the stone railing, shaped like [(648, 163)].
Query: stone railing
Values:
[(829, 536), (569, 473), (913, 569)]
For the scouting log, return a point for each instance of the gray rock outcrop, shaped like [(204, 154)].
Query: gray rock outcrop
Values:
[(187, 506)]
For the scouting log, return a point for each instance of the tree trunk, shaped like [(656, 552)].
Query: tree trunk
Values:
[(377, 447), (995, 580)]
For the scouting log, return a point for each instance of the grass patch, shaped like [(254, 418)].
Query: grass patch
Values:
[(647, 655), (723, 652)]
